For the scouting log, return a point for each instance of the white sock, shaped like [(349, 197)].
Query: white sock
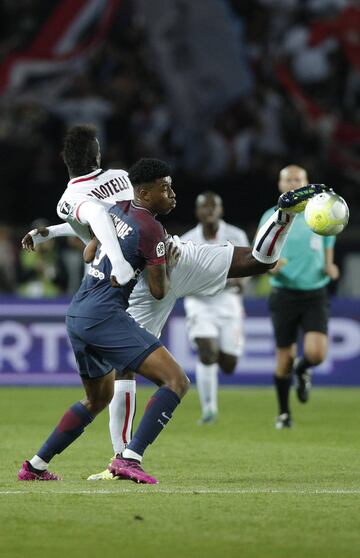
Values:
[(38, 463), (129, 454), (207, 384), (271, 237), (122, 411)]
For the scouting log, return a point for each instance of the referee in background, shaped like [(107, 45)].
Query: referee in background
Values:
[(299, 302)]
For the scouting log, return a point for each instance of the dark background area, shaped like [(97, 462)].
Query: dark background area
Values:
[(297, 102)]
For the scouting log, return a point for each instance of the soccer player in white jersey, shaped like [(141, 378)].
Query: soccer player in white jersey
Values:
[(84, 206), (215, 323), (89, 193)]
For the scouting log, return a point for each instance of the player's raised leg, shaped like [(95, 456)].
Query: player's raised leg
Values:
[(99, 392)]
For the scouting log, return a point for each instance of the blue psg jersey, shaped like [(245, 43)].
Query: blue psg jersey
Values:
[(142, 241)]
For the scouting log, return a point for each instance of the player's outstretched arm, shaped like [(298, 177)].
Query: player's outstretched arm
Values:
[(103, 228), (331, 269), (42, 234)]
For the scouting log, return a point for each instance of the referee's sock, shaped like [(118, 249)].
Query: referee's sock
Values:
[(301, 365), (282, 386)]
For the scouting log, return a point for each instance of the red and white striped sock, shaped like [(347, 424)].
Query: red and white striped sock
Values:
[(271, 237), (122, 412)]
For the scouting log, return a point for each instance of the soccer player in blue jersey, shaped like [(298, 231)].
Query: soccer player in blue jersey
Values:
[(104, 337)]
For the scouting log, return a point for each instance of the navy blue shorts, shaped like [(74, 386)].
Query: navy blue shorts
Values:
[(116, 342)]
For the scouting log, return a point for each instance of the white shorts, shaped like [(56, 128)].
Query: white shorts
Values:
[(219, 317), (201, 270)]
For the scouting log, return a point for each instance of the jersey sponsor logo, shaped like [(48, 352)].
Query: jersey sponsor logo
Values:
[(122, 228), (96, 273), (110, 188), (64, 209), (160, 249)]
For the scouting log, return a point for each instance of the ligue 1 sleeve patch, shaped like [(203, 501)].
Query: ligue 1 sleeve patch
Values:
[(160, 249)]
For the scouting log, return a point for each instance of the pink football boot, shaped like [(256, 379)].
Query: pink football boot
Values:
[(131, 470), (26, 474)]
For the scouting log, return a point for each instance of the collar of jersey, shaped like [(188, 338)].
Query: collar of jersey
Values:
[(85, 177), (140, 207), (218, 232)]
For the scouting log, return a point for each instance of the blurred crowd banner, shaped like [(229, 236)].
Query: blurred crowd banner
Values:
[(34, 348), (184, 36)]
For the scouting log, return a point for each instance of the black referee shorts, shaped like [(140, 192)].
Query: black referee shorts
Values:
[(294, 310)]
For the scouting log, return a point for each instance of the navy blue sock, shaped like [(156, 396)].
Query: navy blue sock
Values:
[(69, 428), (157, 414)]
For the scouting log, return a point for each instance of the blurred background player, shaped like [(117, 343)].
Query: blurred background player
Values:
[(215, 323), (299, 301)]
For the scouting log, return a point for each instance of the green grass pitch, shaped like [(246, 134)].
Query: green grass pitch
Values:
[(237, 488)]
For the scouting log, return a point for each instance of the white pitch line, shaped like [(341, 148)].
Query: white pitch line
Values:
[(203, 492)]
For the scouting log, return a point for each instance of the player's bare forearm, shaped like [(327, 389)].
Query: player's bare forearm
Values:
[(90, 250), (244, 264), (331, 269), (158, 279)]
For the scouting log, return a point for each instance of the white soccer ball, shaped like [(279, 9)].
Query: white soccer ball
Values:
[(327, 214)]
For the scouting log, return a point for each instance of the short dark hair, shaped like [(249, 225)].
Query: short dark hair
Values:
[(145, 171), (80, 149)]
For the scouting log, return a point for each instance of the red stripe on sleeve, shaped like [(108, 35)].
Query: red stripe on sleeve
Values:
[(77, 217)]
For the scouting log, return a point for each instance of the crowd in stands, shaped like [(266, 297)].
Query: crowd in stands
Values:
[(304, 107)]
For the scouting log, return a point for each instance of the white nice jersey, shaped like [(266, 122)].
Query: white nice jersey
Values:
[(219, 316), (223, 302), (103, 187), (200, 270)]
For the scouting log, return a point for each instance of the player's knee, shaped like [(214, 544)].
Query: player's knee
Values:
[(125, 375), (316, 356), (179, 383), (228, 364), (99, 402), (228, 368), (208, 356)]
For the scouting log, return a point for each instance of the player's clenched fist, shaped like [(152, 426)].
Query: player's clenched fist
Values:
[(173, 250), (28, 241)]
